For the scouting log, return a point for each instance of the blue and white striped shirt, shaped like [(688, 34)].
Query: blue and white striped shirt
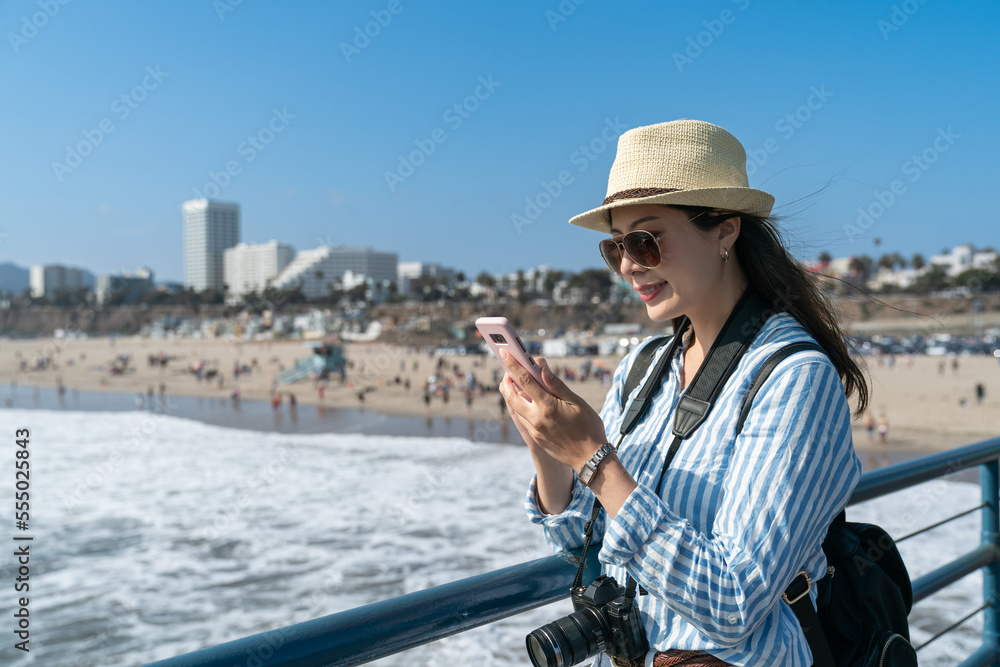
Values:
[(738, 516)]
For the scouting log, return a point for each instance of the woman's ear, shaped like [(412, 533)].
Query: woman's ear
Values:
[(729, 231)]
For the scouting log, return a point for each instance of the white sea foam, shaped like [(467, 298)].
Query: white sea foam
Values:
[(155, 536)]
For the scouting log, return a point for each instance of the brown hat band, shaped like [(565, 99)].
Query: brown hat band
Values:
[(636, 193)]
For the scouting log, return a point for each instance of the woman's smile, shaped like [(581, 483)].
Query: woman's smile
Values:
[(650, 291)]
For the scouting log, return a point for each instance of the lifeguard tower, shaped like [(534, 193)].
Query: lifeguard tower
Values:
[(326, 358)]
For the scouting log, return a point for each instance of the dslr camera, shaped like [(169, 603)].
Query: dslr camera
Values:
[(606, 619)]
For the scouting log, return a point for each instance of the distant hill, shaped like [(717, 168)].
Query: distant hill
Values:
[(13, 278)]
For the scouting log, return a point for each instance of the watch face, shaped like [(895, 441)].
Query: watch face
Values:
[(590, 467)]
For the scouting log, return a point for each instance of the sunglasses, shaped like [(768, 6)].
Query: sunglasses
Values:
[(641, 246)]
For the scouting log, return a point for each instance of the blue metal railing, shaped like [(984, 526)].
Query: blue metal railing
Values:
[(383, 628)]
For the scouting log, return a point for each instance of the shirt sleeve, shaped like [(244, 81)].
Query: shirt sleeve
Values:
[(564, 531), (792, 470)]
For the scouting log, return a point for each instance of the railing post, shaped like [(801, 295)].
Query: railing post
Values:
[(989, 482)]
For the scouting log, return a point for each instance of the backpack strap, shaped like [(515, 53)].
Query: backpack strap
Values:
[(646, 391), (641, 365), (765, 370), (796, 595)]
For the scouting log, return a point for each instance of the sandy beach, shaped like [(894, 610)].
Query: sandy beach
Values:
[(930, 403)]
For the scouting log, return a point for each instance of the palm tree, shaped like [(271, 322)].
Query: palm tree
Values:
[(861, 266), (551, 279)]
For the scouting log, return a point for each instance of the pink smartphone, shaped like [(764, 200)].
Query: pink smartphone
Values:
[(500, 335)]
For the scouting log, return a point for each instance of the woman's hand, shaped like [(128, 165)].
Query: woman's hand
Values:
[(553, 418), (562, 432)]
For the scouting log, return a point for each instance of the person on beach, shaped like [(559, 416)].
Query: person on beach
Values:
[(874, 452), (717, 537)]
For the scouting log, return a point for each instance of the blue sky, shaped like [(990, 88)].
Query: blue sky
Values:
[(833, 100)]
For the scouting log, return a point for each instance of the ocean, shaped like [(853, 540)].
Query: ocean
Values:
[(156, 535)]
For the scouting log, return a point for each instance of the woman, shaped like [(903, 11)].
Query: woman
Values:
[(735, 517)]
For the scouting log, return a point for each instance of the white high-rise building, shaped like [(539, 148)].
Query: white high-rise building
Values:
[(318, 272), (45, 280), (209, 228), (248, 267)]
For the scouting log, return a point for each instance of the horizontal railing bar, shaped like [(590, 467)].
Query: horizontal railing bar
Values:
[(383, 628), (941, 523), (947, 574), (985, 656), (909, 473), (953, 626)]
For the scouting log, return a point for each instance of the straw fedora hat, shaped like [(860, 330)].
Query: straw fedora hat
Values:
[(683, 162)]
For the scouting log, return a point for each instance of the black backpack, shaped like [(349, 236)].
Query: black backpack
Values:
[(865, 597)]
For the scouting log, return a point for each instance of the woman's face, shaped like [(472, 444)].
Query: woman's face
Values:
[(690, 268)]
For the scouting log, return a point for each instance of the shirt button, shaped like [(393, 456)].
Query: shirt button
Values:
[(732, 619)]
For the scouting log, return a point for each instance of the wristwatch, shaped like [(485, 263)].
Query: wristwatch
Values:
[(589, 469)]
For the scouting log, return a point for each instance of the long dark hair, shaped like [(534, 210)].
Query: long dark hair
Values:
[(789, 289)]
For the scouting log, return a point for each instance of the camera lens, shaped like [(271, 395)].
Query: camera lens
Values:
[(568, 640)]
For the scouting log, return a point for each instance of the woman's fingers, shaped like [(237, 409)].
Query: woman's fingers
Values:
[(554, 418), (529, 388), (553, 383)]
